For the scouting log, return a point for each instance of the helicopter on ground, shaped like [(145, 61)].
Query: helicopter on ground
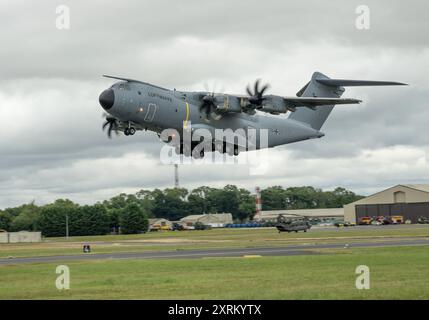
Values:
[(300, 223)]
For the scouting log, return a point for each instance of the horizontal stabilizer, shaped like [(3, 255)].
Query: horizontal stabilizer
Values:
[(355, 83), (316, 101)]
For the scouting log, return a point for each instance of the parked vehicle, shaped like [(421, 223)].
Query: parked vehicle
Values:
[(397, 219), (177, 226), (365, 221), (423, 220), (345, 224), (383, 220), (201, 226)]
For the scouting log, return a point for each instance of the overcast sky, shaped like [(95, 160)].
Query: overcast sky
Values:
[(51, 142)]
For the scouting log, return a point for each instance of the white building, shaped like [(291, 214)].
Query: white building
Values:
[(214, 220), (22, 236)]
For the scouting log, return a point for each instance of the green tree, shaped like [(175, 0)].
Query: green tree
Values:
[(26, 219), (89, 220), (133, 219), (116, 205), (273, 198), (5, 220), (343, 196), (146, 201), (247, 207), (301, 197), (170, 203), (199, 200), (52, 219)]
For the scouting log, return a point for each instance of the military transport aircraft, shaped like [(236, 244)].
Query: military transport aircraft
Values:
[(136, 105)]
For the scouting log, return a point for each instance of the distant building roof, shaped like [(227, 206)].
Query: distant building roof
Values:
[(418, 187), (421, 187), (209, 217), (155, 220)]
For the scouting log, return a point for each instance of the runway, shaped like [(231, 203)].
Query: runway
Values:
[(290, 250)]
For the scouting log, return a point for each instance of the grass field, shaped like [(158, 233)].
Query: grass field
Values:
[(396, 273), (216, 238)]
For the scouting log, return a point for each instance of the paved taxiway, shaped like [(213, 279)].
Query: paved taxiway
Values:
[(301, 249)]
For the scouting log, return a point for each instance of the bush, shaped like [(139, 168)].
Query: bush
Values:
[(133, 219)]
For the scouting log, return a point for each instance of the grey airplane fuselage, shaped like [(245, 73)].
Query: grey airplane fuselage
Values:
[(153, 108)]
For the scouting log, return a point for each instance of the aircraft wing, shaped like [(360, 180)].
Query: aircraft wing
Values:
[(276, 104)]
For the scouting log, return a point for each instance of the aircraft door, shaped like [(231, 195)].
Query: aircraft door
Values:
[(150, 114)]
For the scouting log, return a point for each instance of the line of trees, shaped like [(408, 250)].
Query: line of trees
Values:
[(129, 213)]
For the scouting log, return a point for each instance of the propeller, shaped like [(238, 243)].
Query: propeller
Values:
[(208, 104), (256, 97), (112, 125)]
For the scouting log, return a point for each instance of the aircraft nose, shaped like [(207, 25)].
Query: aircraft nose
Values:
[(107, 98)]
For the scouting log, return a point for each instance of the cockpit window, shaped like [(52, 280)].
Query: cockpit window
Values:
[(122, 86)]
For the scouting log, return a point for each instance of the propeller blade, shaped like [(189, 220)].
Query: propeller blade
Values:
[(264, 88), (112, 125), (109, 131), (256, 98), (105, 125), (257, 87)]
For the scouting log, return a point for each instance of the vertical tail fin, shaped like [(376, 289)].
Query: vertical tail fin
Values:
[(317, 117), (322, 86)]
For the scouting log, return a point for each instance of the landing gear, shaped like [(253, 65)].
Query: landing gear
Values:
[(129, 131), (183, 149), (231, 150), (198, 154), (236, 151), (197, 150)]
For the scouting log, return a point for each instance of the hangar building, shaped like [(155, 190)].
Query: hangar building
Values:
[(410, 201)]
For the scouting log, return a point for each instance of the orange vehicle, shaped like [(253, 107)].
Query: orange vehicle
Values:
[(365, 220), (397, 219)]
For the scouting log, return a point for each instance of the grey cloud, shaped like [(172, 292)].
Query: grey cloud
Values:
[(115, 36)]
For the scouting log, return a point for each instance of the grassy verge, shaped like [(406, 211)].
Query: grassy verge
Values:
[(396, 273)]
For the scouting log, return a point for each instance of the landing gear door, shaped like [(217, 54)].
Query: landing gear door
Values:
[(150, 114)]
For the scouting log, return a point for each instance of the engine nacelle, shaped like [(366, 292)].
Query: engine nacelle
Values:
[(227, 103), (274, 105)]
